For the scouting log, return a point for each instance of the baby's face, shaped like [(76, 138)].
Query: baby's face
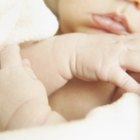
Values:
[(95, 16)]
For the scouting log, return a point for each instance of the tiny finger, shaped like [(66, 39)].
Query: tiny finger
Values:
[(124, 80)]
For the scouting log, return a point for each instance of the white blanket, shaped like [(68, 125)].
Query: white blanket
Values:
[(25, 20)]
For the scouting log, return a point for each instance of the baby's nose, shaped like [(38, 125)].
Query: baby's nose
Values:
[(136, 2)]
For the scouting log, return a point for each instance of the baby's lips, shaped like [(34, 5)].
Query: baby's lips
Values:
[(111, 22)]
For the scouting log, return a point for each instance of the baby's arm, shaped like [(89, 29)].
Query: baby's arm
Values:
[(66, 56), (23, 100), (89, 57)]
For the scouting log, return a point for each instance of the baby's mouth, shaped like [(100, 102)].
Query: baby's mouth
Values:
[(110, 23)]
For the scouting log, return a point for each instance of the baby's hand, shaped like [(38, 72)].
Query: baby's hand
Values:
[(99, 57), (23, 98), (108, 60)]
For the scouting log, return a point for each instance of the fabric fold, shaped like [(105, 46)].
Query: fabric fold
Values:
[(25, 20)]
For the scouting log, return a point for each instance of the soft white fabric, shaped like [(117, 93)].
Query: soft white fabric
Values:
[(25, 20), (118, 121)]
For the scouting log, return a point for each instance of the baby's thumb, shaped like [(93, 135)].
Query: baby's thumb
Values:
[(27, 67)]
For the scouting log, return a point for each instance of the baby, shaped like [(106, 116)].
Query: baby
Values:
[(106, 122), (56, 61), (93, 17)]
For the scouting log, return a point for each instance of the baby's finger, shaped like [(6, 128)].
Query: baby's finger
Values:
[(124, 80), (10, 56)]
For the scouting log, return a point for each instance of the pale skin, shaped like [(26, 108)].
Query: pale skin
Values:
[(104, 121), (41, 48), (24, 101), (29, 108), (73, 18), (70, 56)]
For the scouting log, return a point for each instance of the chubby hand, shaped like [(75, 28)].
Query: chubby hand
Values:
[(103, 57), (23, 98)]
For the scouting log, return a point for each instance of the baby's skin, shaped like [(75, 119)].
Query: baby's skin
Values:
[(55, 61), (92, 17), (58, 74)]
